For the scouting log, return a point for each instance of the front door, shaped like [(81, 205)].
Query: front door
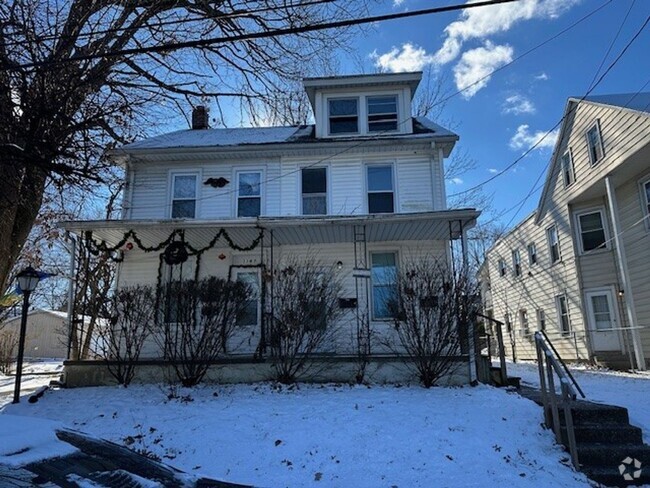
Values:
[(603, 320), (246, 335)]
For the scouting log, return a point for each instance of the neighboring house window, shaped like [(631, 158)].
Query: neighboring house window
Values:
[(502, 267), (382, 113), (646, 198), (553, 243), (314, 191), (381, 196), (508, 323), (184, 196), (383, 276), (516, 262), (563, 314), (250, 315), (567, 168), (532, 254), (595, 144), (541, 319), (523, 322), (592, 231), (249, 194), (343, 115)]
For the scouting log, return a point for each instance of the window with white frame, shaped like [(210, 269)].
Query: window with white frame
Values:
[(592, 231), (532, 254), (384, 282), (595, 144), (251, 312), (568, 174), (183, 192), (314, 191), (381, 194), (382, 113), (502, 267), (553, 244), (249, 194), (541, 319), (523, 323), (563, 314), (516, 262), (343, 114)]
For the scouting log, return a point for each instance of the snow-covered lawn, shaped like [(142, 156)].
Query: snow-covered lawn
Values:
[(36, 373), (329, 435), (629, 390)]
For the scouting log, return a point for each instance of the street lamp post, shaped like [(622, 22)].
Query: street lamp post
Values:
[(27, 280)]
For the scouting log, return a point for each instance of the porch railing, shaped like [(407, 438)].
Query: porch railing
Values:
[(550, 365)]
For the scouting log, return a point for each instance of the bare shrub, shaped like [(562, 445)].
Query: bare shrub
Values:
[(198, 319), (304, 311), (431, 308), (131, 315), (8, 343)]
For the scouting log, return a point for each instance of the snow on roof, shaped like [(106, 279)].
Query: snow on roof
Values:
[(263, 135), (634, 101)]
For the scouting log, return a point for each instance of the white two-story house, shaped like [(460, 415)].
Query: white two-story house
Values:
[(363, 188), (578, 266)]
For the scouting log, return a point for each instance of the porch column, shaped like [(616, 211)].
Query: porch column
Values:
[(625, 274), (71, 281)]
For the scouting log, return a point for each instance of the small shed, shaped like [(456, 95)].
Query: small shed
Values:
[(46, 335)]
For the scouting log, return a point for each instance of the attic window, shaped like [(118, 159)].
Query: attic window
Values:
[(344, 115), (595, 144), (382, 113)]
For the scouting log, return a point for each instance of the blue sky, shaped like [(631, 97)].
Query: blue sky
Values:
[(498, 120)]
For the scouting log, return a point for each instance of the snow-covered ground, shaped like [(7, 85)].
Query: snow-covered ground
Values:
[(629, 390), (324, 435), (36, 373)]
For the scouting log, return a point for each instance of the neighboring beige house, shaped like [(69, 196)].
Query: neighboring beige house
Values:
[(579, 266), (45, 333), (362, 188)]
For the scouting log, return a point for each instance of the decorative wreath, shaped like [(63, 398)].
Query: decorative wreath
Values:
[(175, 253)]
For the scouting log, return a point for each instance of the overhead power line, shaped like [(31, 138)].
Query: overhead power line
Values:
[(199, 43)]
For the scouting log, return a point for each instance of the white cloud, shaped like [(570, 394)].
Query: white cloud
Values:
[(397, 3), (408, 58), (456, 181), (518, 104), (475, 67), (542, 76), (524, 139), (493, 171), (478, 23)]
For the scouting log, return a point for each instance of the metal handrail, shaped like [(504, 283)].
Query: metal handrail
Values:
[(564, 366), (549, 365)]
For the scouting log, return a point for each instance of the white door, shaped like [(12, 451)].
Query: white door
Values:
[(603, 321), (246, 336)]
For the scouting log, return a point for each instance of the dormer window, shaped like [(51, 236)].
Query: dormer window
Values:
[(343, 115), (382, 113)]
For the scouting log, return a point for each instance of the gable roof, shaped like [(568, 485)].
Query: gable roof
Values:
[(635, 102)]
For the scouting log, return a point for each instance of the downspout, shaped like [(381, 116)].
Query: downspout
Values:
[(625, 275)]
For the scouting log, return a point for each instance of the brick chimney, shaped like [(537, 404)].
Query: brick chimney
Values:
[(200, 117)]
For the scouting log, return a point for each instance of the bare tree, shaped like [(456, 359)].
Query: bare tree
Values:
[(305, 310), (130, 319), (67, 94), (198, 319), (431, 308), (8, 343)]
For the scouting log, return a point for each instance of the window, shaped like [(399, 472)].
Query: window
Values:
[(249, 194), (563, 314), (380, 189), (184, 196), (595, 144), (508, 323), (523, 323), (343, 115), (541, 320), (383, 276), (567, 168), (592, 231), (250, 315), (532, 254), (502, 267), (553, 244), (645, 190), (516, 263), (314, 191), (382, 113)]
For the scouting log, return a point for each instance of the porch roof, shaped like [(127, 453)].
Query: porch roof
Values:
[(290, 230)]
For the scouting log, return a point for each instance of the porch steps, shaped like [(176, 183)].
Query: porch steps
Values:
[(605, 441), (495, 376)]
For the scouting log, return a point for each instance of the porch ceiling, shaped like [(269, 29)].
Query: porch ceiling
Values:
[(289, 230)]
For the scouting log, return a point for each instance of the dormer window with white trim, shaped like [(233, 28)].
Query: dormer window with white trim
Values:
[(343, 115), (382, 113), (595, 144)]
